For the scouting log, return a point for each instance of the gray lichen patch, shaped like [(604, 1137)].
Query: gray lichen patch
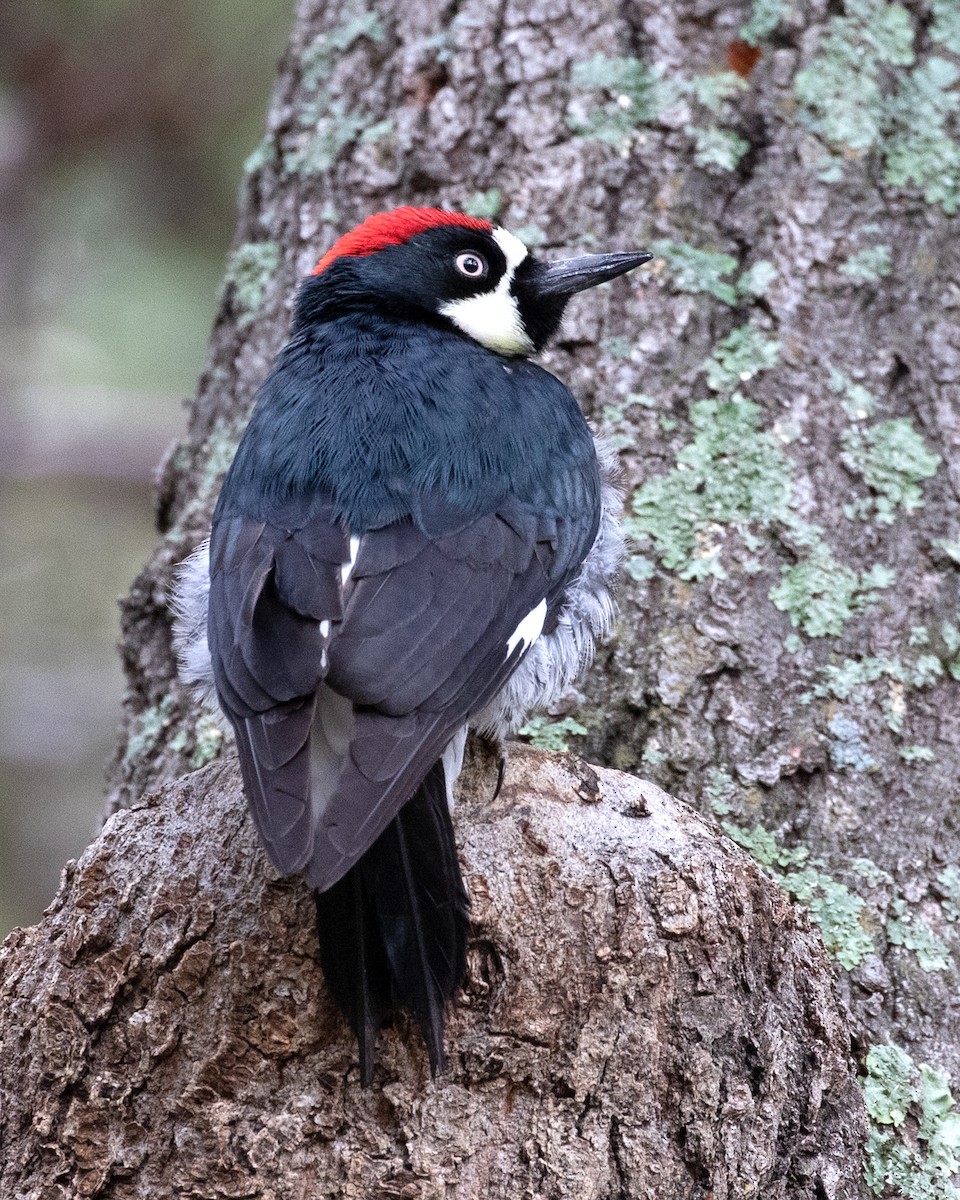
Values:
[(848, 747)]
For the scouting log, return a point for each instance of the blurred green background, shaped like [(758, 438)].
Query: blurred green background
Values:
[(124, 125)]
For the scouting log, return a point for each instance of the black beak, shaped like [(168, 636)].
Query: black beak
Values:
[(572, 275)]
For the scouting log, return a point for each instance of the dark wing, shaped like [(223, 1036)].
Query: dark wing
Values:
[(423, 636), (429, 636), (272, 589)]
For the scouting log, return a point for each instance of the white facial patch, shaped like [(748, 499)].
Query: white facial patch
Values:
[(529, 628), (493, 318)]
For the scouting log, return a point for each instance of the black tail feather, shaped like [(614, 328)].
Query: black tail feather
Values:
[(393, 930), (353, 961)]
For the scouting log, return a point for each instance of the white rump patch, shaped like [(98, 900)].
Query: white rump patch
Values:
[(493, 318), (329, 746), (529, 628)]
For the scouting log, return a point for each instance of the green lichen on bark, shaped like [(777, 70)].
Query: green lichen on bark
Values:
[(327, 123), (868, 265), (716, 147), (217, 454), (148, 729), (914, 1142), (321, 55), (249, 270), (546, 733), (486, 204), (765, 16), (838, 911), (743, 353), (731, 473), (693, 270), (893, 460), (637, 95), (946, 24), (948, 887), (921, 146), (820, 593), (856, 95), (206, 738), (849, 678), (913, 933), (843, 88), (856, 400), (848, 747)]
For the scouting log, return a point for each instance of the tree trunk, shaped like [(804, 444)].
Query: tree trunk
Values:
[(645, 1016), (786, 402)]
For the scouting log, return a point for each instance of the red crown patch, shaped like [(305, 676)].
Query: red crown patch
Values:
[(393, 228)]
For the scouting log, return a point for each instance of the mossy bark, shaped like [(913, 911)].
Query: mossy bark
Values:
[(764, 669)]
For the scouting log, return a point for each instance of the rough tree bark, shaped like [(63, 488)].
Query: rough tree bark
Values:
[(645, 1016), (786, 403)]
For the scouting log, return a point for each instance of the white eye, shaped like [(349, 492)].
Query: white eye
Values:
[(471, 264)]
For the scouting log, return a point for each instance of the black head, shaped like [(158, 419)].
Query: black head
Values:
[(434, 265)]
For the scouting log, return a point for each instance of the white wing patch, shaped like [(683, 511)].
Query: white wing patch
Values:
[(493, 318), (347, 568), (529, 628)]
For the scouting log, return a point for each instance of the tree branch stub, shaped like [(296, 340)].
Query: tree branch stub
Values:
[(645, 1014)]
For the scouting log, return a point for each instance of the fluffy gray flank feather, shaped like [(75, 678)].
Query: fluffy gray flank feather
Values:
[(189, 601), (556, 660)]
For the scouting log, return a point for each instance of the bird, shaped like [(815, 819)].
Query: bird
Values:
[(418, 535)]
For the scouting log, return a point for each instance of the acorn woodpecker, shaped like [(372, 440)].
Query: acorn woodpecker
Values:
[(417, 535)]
